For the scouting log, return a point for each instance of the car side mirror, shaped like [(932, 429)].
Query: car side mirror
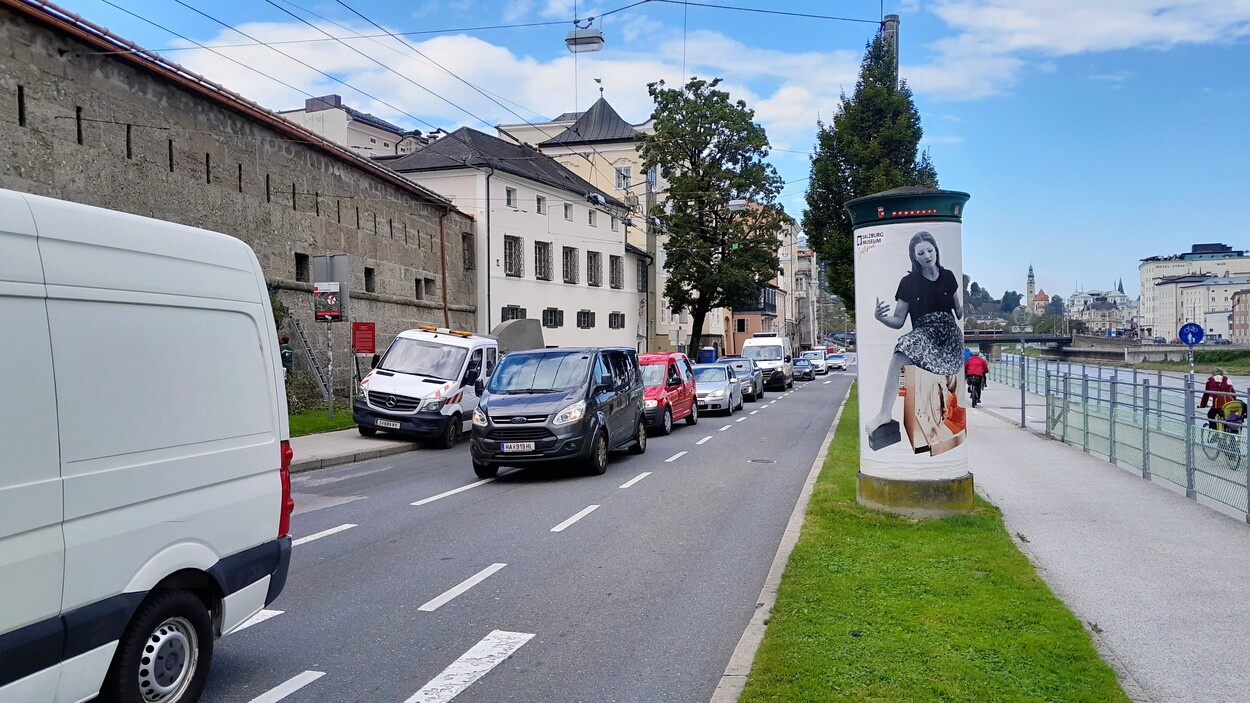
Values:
[(373, 363), (479, 386), (788, 358)]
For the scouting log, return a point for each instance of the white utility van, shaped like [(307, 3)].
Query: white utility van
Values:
[(774, 356), (423, 385), (144, 493)]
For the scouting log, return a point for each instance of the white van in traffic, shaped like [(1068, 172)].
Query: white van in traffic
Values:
[(423, 385), (774, 356), (144, 489)]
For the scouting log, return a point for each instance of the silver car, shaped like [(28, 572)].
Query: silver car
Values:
[(716, 387)]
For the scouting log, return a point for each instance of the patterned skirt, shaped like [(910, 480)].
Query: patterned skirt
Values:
[(935, 344)]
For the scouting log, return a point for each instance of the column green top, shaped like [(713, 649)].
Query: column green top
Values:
[(909, 203)]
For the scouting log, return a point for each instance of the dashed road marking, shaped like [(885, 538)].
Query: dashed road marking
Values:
[(705, 439), (635, 479), (323, 533), (453, 491), (828, 382), (288, 687), (581, 514), (724, 428), (459, 588), (491, 651), (741, 419), (674, 457), (256, 620), (754, 411)]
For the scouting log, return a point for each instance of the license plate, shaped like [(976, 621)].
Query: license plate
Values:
[(518, 446), (390, 424)]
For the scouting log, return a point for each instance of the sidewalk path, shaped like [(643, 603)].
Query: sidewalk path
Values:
[(1165, 580), (317, 451)]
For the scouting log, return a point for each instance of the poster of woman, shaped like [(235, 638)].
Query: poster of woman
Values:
[(909, 312)]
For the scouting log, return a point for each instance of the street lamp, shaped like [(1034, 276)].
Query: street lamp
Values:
[(584, 39)]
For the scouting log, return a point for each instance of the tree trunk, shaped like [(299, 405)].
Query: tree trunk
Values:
[(698, 313)]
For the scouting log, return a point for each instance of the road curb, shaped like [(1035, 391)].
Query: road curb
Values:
[(350, 458), (734, 680)]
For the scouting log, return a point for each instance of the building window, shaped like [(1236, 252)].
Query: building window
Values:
[(642, 277), (624, 177), (540, 205), (594, 268), (510, 196), (616, 320), (512, 312), (568, 211), (742, 324), (585, 319), (466, 245), (386, 143), (616, 271), (513, 263), (591, 217), (302, 268), (553, 317), (370, 281), (430, 288), (616, 224), (416, 289), (542, 261), (372, 140), (570, 264)]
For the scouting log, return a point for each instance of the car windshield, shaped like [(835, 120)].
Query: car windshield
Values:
[(519, 372), (741, 366), (422, 357), (765, 352), (709, 375), (812, 354), (802, 362), (836, 357), (653, 374)]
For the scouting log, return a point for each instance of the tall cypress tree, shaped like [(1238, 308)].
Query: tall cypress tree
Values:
[(872, 145)]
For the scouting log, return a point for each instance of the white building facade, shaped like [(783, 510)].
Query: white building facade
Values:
[(359, 131), (1159, 305)]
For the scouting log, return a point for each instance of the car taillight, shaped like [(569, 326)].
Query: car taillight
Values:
[(288, 502)]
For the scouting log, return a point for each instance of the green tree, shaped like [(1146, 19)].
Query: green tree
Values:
[(711, 151), (1011, 301), (872, 146), (1055, 306)]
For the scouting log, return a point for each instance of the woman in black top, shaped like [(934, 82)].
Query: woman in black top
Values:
[(929, 294)]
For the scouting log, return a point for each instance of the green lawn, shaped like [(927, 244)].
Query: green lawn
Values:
[(877, 607), (314, 421)]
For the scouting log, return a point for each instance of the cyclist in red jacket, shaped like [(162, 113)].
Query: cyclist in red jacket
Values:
[(975, 371)]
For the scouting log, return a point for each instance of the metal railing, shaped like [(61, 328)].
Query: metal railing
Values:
[(1150, 421)]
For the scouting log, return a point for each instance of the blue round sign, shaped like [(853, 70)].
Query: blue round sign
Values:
[(1191, 333)]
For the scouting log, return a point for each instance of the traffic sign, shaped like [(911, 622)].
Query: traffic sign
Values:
[(1191, 333)]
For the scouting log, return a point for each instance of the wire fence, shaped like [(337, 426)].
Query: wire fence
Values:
[(1159, 424)]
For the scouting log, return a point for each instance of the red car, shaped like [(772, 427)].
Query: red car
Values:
[(669, 381)]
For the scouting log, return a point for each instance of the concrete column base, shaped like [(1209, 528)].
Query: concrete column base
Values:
[(915, 497)]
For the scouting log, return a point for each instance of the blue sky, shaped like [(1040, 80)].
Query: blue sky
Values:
[(1090, 135)]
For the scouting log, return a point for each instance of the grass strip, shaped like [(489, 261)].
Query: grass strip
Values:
[(314, 421), (879, 607)]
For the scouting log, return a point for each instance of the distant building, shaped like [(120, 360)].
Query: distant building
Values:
[(1241, 317), (1039, 302), (1209, 302), (1160, 314), (359, 131)]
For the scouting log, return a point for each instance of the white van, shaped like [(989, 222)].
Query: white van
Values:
[(423, 386), (144, 493), (774, 356)]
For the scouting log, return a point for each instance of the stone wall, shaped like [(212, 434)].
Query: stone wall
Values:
[(96, 128)]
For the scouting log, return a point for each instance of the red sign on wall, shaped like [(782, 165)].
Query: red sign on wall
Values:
[(364, 339)]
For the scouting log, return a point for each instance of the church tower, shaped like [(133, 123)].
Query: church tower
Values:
[(1031, 289)]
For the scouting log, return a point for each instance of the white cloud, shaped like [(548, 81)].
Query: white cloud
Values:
[(516, 10)]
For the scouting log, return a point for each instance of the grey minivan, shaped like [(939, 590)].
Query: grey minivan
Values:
[(550, 405)]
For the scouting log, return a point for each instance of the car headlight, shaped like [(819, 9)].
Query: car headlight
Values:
[(716, 394), (648, 404), (573, 413), (432, 405), (479, 417)]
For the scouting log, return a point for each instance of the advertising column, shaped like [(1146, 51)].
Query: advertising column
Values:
[(909, 312)]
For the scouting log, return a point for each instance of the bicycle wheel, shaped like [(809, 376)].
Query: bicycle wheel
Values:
[(1211, 443), (1232, 451)]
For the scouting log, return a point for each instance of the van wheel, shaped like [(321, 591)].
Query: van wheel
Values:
[(693, 417), (666, 422), (485, 470), (366, 430), (790, 383), (165, 653), (599, 455), (640, 437), (451, 435)]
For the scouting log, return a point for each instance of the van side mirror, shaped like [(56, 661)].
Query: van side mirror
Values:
[(471, 376), (373, 363), (479, 386), (788, 359), (605, 380)]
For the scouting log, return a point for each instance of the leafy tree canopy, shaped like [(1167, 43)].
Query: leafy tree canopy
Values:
[(1011, 301), (872, 146), (710, 150)]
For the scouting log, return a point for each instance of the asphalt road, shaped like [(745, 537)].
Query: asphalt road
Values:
[(518, 589)]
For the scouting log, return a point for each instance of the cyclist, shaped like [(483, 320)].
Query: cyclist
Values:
[(1218, 391), (975, 371)]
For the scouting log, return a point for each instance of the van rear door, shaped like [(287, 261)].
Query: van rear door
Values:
[(32, 544)]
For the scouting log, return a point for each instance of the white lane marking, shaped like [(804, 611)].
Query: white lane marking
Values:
[(772, 402), (314, 480), (635, 479), (453, 492), (705, 439), (288, 687), (471, 666), (828, 382), (754, 411), (741, 419), (461, 587), (765, 407), (256, 620), (323, 533), (724, 428), (583, 513), (674, 457)]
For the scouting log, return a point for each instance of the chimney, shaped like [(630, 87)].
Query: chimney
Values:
[(890, 34), (325, 102)]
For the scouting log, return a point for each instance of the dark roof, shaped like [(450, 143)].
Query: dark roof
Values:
[(373, 121), (467, 148), (631, 249), (568, 116), (598, 124)]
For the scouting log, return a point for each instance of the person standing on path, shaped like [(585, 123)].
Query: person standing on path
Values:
[(288, 355)]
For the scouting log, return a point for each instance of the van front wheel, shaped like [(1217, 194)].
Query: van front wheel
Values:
[(165, 653), (451, 435), (367, 431)]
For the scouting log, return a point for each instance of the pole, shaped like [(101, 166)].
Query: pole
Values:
[(1111, 432), (1145, 429), (1023, 423), (1189, 438), (330, 364)]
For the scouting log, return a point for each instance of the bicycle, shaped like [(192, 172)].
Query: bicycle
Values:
[(974, 389), (1221, 437)]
